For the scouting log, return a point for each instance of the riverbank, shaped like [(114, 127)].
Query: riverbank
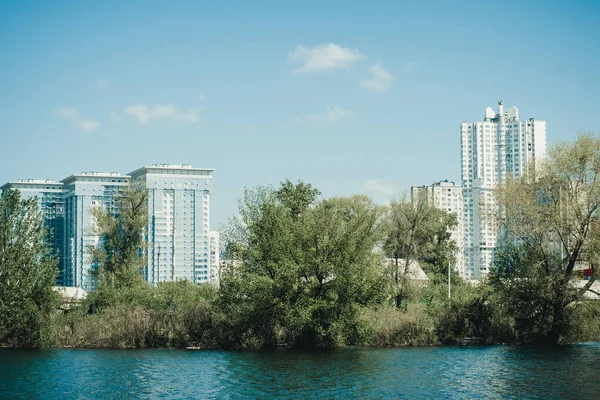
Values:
[(183, 315)]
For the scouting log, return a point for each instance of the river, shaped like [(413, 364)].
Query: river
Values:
[(568, 372)]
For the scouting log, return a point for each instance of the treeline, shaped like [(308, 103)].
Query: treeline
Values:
[(307, 271)]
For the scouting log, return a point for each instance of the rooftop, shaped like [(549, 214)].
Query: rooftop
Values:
[(174, 169), (93, 175), (32, 183)]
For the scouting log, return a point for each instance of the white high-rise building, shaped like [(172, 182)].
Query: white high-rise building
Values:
[(447, 196), (178, 222), (491, 149), (180, 243), (81, 192)]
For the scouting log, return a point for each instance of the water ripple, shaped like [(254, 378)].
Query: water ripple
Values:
[(416, 373)]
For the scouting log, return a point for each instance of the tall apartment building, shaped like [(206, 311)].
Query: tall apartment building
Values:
[(50, 202), (178, 221), (180, 243), (81, 192), (492, 149), (446, 196)]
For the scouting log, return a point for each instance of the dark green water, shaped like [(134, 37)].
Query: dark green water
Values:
[(569, 372)]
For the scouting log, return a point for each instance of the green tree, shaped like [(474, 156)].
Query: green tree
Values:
[(120, 255), (27, 272), (549, 219), (417, 231), (338, 270), (305, 266)]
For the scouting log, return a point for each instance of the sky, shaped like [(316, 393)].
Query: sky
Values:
[(352, 97)]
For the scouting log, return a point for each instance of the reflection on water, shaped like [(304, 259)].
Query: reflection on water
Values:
[(438, 372)]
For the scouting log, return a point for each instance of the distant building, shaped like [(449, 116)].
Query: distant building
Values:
[(447, 196), (81, 192), (69, 296), (50, 202), (492, 149), (215, 256), (180, 243), (414, 273), (178, 221)]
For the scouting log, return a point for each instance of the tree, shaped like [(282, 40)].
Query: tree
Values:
[(338, 270), (306, 264), (549, 219), (120, 255), (417, 231), (28, 271)]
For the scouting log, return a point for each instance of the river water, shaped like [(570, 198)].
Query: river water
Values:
[(566, 372)]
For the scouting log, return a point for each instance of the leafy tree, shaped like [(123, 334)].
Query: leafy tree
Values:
[(306, 265), (549, 220), (417, 231), (121, 253), (27, 272), (338, 269), (296, 198)]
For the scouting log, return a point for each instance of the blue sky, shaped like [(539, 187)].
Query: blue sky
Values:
[(351, 96)]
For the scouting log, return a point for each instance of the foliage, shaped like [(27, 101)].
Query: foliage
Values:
[(27, 272), (173, 314), (472, 313), (549, 218), (121, 253), (417, 231), (388, 326), (585, 325), (306, 266)]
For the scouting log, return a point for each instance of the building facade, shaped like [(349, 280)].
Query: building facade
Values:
[(446, 196), (215, 257), (492, 149), (178, 222), (50, 202), (82, 192), (180, 243)]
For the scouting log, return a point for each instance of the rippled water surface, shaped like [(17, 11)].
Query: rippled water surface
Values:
[(439, 372)]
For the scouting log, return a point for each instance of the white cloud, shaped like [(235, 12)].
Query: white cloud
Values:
[(380, 186), (101, 83), (144, 113), (331, 115), (86, 125), (380, 81), (324, 57)]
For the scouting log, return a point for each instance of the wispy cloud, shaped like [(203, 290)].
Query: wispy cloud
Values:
[(380, 81), (324, 57), (101, 83), (331, 115), (380, 186), (86, 125), (144, 113)]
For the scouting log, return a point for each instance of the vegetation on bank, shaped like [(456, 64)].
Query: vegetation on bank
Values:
[(307, 271)]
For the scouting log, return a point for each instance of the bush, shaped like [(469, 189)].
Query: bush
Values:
[(389, 326), (173, 314), (585, 322), (474, 312)]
